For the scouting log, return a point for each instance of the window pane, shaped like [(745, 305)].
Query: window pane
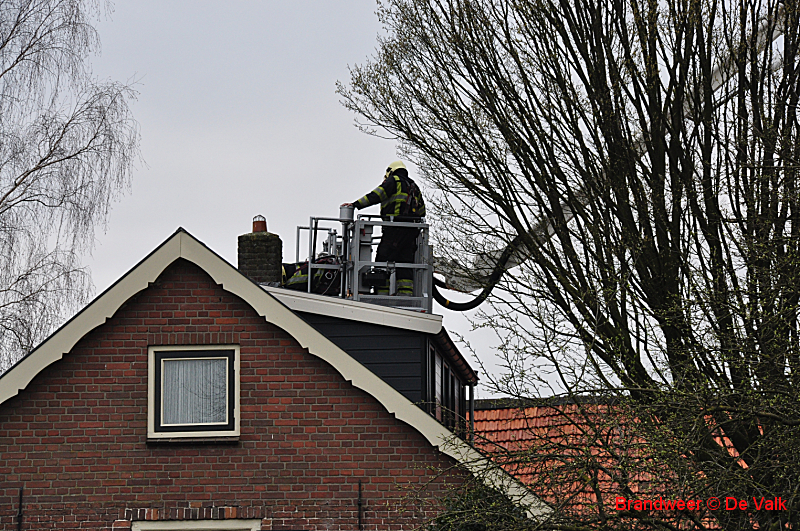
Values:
[(195, 391), (457, 401)]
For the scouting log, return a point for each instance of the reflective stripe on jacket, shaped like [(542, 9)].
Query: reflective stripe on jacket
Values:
[(392, 194)]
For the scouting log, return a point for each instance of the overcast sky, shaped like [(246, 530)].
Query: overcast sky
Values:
[(239, 116)]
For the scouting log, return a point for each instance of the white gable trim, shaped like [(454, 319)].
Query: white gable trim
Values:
[(184, 245)]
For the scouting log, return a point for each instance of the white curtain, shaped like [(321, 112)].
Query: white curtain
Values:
[(195, 391)]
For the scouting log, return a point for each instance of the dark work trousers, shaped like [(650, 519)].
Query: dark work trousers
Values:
[(398, 244)]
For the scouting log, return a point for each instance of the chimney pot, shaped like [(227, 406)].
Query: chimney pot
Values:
[(259, 224)]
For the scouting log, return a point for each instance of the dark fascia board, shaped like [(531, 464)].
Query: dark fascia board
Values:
[(552, 401), (457, 361)]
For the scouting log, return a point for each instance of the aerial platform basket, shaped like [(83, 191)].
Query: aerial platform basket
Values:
[(353, 250)]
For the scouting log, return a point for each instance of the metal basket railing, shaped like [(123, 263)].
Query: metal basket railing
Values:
[(353, 250)]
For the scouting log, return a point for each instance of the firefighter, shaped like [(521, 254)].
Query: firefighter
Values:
[(400, 200)]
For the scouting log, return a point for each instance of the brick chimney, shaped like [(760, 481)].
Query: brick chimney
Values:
[(261, 253)]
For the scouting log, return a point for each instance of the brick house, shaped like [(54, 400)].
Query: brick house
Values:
[(186, 396)]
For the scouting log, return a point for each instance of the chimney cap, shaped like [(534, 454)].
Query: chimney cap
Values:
[(259, 223)]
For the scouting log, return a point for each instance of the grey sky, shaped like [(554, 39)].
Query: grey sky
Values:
[(238, 117)]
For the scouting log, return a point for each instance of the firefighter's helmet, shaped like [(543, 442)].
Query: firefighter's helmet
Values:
[(396, 165)]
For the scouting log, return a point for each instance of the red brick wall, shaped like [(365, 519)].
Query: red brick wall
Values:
[(76, 437)]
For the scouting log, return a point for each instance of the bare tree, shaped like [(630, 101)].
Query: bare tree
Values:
[(643, 156), (67, 145)]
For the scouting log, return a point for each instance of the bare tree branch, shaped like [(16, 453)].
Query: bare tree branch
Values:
[(67, 145), (658, 139)]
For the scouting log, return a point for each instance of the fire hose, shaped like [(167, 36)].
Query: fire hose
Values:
[(490, 282)]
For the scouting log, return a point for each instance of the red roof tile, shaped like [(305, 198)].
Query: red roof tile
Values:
[(571, 436)]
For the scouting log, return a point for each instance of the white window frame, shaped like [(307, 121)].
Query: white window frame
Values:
[(197, 525), (152, 431)]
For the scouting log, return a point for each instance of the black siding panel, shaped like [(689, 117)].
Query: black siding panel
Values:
[(394, 355)]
